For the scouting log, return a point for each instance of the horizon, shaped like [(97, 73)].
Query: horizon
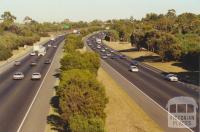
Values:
[(88, 10)]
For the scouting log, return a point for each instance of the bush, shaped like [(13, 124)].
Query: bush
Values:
[(73, 42), (76, 60), (79, 123), (80, 93), (4, 53)]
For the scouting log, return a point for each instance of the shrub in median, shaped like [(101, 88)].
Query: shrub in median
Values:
[(80, 93), (76, 60), (79, 123)]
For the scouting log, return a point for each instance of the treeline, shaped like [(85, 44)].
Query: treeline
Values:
[(81, 98), (173, 37), (14, 35)]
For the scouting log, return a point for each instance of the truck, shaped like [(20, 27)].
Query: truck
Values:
[(39, 49)]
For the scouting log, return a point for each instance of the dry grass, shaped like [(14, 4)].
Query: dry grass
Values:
[(167, 66), (123, 114), (137, 54), (118, 45)]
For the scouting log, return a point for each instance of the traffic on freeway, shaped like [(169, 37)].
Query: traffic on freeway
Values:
[(19, 84), (158, 87)]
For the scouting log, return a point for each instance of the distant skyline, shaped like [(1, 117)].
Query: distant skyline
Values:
[(88, 10)]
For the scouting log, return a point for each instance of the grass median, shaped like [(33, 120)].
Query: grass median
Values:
[(123, 114)]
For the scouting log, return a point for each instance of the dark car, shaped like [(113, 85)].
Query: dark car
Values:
[(134, 63), (115, 57), (47, 61), (122, 57)]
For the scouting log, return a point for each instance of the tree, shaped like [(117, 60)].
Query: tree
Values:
[(8, 19), (27, 19), (171, 13)]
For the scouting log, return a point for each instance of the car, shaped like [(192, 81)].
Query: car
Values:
[(89, 44), (98, 46), (108, 54), (134, 69), (49, 45), (18, 76), (134, 63), (122, 57), (104, 57), (115, 57), (33, 63), (32, 53), (103, 50), (52, 39), (36, 76), (106, 48), (47, 61), (112, 51), (171, 77), (17, 63), (54, 46)]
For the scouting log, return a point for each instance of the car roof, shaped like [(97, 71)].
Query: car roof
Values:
[(134, 66), (36, 73), (18, 73)]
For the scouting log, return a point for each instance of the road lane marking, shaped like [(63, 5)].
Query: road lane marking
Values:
[(33, 101)]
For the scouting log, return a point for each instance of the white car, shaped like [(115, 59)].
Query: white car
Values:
[(106, 48), (18, 76), (134, 69), (103, 50), (112, 51), (104, 57), (54, 46), (108, 54), (49, 45), (171, 77), (32, 53), (89, 44), (36, 76), (98, 47)]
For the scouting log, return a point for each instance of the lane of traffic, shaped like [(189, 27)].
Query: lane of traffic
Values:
[(18, 95)]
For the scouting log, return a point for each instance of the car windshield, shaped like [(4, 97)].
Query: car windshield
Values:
[(172, 75), (36, 74), (133, 67), (18, 73)]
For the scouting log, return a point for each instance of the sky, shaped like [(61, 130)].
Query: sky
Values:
[(88, 10)]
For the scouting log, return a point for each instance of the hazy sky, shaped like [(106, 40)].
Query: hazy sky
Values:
[(87, 10)]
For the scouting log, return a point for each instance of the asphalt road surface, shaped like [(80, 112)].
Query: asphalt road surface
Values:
[(17, 95), (147, 80)]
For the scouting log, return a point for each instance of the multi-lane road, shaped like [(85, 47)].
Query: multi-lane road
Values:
[(147, 80), (16, 96)]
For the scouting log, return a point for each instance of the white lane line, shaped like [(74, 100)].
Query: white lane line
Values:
[(21, 124), (105, 63)]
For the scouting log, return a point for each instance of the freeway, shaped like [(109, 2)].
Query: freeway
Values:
[(17, 95), (147, 80)]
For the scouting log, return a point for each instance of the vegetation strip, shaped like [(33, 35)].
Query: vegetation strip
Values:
[(80, 98)]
